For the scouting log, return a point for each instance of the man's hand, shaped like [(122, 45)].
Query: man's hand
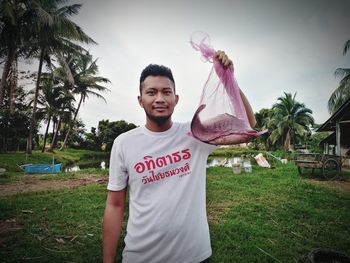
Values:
[(223, 59)]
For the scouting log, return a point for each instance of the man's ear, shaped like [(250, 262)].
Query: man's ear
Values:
[(139, 98), (176, 99)]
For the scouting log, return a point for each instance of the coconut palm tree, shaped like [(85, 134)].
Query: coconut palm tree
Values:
[(64, 114), (54, 35), (290, 118), (86, 82), (263, 119), (342, 93), (13, 17), (52, 100)]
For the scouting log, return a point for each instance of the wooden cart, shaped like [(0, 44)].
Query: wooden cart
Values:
[(330, 165)]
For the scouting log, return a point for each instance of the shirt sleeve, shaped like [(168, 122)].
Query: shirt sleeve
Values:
[(118, 174)]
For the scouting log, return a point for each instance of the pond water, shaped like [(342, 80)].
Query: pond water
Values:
[(75, 167)]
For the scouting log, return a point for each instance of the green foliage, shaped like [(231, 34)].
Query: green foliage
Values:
[(13, 130), (288, 122), (291, 118), (315, 140), (342, 93), (233, 152), (82, 72), (14, 126), (108, 131)]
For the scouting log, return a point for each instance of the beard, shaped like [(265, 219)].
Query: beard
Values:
[(158, 119)]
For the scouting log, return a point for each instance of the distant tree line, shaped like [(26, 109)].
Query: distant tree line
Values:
[(103, 137)]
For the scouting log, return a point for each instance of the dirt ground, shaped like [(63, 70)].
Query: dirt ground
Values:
[(342, 184), (33, 183)]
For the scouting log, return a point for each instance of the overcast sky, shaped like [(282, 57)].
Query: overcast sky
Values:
[(277, 46)]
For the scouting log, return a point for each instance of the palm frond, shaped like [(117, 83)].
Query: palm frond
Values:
[(66, 69), (341, 72), (90, 92), (346, 47), (45, 17), (69, 10)]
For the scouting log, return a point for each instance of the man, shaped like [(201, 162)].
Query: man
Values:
[(164, 170)]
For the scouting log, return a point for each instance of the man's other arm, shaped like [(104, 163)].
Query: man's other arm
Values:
[(112, 223)]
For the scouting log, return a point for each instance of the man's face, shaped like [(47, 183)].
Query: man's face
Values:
[(158, 98)]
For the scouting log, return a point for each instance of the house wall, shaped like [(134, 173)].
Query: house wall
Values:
[(344, 152)]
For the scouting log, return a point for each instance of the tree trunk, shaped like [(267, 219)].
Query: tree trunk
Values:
[(72, 123), (13, 85), (33, 119), (7, 67), (46, 132), (287, 141), (54, 139), (294, 141), (54, 123)]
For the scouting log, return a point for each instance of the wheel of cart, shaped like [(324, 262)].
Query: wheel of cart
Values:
[(331, 167)]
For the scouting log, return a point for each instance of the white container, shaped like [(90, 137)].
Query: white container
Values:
[(236, 168), (248, 168)]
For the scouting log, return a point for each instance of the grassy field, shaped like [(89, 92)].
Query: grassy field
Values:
[(265, 216)]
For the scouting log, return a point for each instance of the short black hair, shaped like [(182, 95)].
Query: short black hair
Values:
[(156, 70)]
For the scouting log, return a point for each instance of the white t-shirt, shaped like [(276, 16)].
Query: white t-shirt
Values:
[(166, 175)]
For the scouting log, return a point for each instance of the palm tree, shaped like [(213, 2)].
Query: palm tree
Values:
[(53, 100), (53, 36), (84, 70), (263, 118), (342, 93), (64, 114), (12, 19), (290, 118)]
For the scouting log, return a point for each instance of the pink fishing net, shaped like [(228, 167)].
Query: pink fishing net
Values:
[(221, 118)]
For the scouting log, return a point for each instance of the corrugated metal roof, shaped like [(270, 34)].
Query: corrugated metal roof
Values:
[(342, 114)]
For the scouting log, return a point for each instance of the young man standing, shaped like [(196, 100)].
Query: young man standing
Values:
[(164, 170)]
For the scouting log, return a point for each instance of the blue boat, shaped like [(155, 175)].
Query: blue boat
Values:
[(42, 168)]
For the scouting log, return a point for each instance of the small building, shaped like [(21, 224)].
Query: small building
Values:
[(338, 142)]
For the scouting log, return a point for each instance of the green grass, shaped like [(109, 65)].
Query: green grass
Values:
[(56, 226), (273, 216), (265, 216)]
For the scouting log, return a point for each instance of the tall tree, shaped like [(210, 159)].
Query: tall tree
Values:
[(86, 82), (13, 18), (53, 35), (263, 119), (290, 118), (342, 93), (53, 101)]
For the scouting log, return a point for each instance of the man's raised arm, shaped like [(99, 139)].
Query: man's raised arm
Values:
[(227, 62)]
